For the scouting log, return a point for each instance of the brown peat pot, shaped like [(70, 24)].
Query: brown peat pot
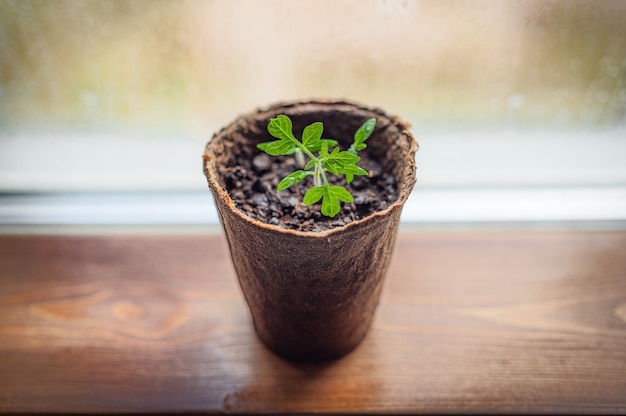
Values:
[(312, 294)]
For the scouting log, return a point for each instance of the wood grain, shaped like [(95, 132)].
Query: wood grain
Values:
[(487, 322)]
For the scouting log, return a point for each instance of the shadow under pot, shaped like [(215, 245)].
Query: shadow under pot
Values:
[(312, 284)]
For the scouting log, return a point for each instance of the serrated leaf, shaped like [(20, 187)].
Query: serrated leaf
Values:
[(324, 149), (365, 131), (354, 169), (279, 147), (343, 157), (313, 195), (337, 162), (312, 133), (340, 193), (317, 146), (340, 162), (281, 128), (263, 146), (331, 167), (330, 207), (332, 195), (350, 170), (291, 179)]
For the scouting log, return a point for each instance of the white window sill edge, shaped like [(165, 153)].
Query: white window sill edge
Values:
[(475, 178), (424, 207)]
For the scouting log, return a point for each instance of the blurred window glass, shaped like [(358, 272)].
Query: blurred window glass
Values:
[(122, 95)]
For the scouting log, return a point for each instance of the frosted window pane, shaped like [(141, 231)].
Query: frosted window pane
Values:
[(156, 67)]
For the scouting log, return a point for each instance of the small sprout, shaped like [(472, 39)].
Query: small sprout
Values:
[(329, 159)]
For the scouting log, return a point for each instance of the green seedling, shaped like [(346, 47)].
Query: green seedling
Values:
[(329, 159)]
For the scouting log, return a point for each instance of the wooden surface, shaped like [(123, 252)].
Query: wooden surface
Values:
[(489, 322)]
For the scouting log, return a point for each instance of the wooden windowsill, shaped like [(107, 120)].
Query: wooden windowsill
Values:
[(483, 322)]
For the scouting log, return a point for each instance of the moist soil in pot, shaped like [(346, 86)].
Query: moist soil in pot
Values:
[(252, 183)]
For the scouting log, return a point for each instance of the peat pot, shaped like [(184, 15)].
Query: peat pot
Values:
[(312, 294)]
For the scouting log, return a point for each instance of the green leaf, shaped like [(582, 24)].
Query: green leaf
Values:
[(281, 128), (340, 193), (262, 146), (279, 148), (337, 161), (313, 195), (354, 169), (291, 179), (343, 157), (312, 134), (350, 170), (364, 132), (324, 149), (332, 196), (331, 167), (317, 146)]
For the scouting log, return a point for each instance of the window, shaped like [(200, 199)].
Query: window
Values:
[(519, 107)]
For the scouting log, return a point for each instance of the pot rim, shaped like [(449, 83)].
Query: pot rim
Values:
[(405, 190)]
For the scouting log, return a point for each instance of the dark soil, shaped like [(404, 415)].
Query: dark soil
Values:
[(252, 185)]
